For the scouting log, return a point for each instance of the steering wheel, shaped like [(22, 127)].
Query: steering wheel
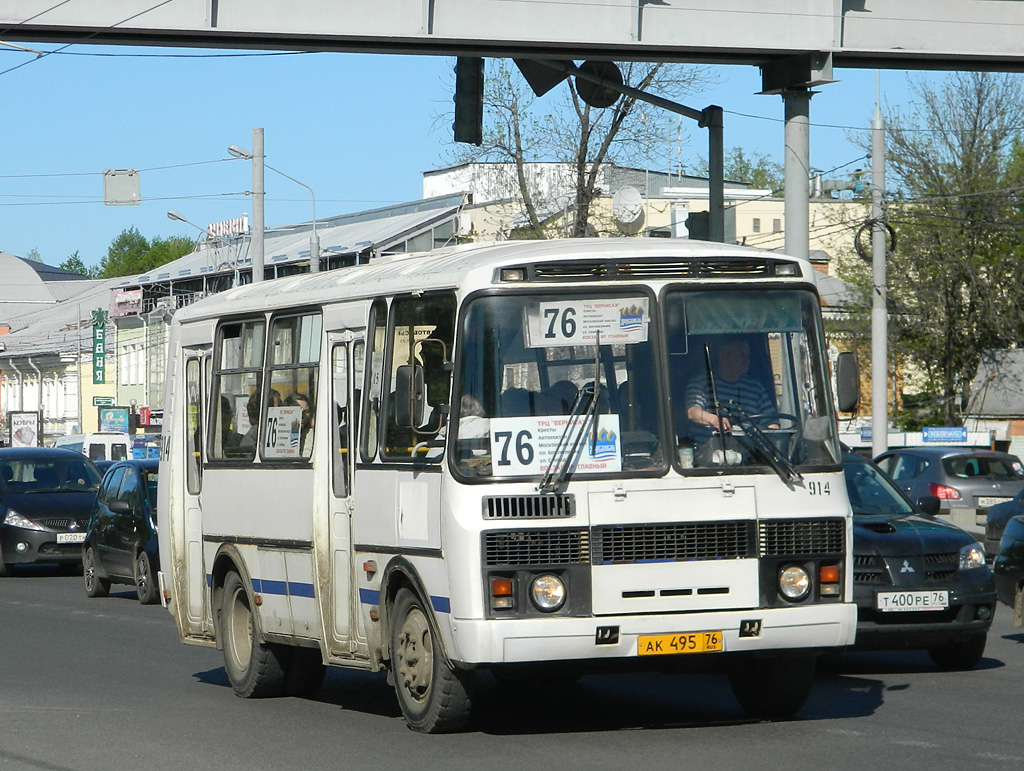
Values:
[(764, 416)]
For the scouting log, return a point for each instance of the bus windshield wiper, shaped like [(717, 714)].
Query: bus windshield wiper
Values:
[(569, 442), (762, 444)]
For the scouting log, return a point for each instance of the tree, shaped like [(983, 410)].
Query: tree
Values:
[(954, 289), (758, 171), (75, 264), (130, 253), (570, 132)]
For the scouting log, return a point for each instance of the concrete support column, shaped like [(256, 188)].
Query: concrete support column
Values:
[(797, 104)]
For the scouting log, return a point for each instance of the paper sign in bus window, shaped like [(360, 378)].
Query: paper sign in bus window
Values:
[(525, 446), (578, 321), (283, 432)]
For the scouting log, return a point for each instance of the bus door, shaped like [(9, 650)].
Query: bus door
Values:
[(197, 365), (347, 354)]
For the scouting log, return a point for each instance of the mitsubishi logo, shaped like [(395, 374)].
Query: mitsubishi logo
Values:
[(906, 567)]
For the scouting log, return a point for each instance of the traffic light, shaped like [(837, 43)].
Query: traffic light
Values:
[(469, 100)]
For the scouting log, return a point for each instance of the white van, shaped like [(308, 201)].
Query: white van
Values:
[(105, 446)]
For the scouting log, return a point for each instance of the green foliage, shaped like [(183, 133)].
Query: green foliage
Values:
[(954, 286), (130, 253), (758, 170), (75, 264)]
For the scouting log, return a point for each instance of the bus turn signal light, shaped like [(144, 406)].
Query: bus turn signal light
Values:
[(501, 593), (828, 580)]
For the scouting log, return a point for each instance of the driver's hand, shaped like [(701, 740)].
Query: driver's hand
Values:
[(725, 424)]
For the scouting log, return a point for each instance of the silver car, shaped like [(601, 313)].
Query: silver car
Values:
[(960, 477)]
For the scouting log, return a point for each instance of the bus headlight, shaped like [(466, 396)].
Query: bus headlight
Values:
[(548, 592), (794, 583)]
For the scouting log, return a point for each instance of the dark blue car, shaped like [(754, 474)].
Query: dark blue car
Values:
[(120, 544), (45, 499), (918, 582)]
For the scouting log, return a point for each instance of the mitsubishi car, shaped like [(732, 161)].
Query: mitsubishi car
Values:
[(919, 583), (45, 498)]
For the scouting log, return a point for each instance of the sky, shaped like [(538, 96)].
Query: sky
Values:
[(359, 129)]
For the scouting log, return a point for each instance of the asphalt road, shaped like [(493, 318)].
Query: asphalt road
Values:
[(104, 685)]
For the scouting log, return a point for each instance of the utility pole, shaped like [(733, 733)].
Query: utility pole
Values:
[(257, 205), (879, 312)]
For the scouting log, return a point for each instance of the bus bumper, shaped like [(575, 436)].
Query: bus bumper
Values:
[(817, 627)]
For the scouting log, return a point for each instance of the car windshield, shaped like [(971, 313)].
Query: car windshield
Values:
[(870, 492), (1005, 469), (47, 475)]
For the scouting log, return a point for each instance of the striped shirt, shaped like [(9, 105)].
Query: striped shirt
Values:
[(746, 392)]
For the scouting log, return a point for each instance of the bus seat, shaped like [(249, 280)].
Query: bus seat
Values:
[(565, 392), (515, 403)]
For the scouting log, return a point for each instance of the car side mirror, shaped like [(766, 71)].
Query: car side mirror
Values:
[(847, 382), (929, 504), (120, 507)]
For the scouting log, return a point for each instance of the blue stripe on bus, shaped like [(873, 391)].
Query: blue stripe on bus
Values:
[(369, 597), (441, 604), (266, 586)]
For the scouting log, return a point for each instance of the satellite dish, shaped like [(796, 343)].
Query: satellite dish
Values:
[(628, 210)]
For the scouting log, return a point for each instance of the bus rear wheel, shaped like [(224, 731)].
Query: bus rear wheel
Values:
[(434, 697), (772, 687), (254, 668)]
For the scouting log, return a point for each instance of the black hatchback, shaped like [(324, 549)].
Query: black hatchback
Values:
[(45, 498), (918, 582), (121, 541)]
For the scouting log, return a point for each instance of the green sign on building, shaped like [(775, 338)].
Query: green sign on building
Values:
[(99, 346)]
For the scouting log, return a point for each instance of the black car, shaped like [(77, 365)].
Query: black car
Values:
[(997, 518), (918, 582), (120, 544), (1008, 567), (45, 499)]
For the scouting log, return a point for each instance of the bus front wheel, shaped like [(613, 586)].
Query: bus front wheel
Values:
[(772, 687), (434, 697), (253, 668)]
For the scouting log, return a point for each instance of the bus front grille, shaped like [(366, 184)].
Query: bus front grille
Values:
[(673, 542), (529, 506), (795, 537), (548, 546)]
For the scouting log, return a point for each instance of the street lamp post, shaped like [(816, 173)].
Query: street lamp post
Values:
[(314, 239)]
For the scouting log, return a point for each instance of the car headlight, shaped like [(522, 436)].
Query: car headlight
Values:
[(548, 592), (972, 556), (794, 583), (14, 519)]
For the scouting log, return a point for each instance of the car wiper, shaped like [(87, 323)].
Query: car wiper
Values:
[(569, 442), (762, 444)]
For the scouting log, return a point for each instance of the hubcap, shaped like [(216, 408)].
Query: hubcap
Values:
[(415, 655)]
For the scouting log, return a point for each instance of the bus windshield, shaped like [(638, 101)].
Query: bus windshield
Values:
[(580, 384), (748, 380)]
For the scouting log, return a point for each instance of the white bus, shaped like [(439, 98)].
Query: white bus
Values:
[(483, 458)]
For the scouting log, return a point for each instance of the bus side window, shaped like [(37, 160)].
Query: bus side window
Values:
[(340, 451), (293, 368), (421, 375), (377, 332), (194, 433), (238, 375)]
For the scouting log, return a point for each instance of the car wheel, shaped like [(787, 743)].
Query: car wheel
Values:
[(772, 687), (434, 697), (94, 585), (304, 673), (145, 583), (253, 668), (959, 654)]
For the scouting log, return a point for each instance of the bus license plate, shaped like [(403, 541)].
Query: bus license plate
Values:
[(911, 601), (668, 644), (70, 537)]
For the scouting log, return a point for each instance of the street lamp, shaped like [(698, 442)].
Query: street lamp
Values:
[(173, 215), (314, 239)]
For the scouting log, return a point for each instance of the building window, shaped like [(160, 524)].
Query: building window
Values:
[(776, 226), (756, 227)]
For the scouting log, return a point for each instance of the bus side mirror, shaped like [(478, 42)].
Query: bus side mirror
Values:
[(847, 382), (410, 392)]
